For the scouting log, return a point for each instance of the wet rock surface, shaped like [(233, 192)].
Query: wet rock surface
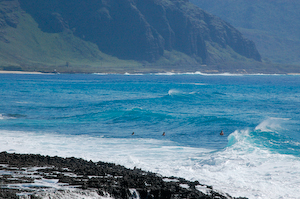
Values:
[(30, 176)]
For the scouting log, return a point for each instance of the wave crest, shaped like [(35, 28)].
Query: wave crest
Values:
[(174, 92), (10, 116), (271, 124)]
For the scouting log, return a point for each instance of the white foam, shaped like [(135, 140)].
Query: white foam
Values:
[(252, 172), (203, 189), (71, 193), (41, 184), (3, 117), (170, 180), (166, 73), (174, 92), (102, 73), (271, 124), (240, 170), (222, 74), (199, 73), (196, 84), (133, 73), (92, 148), (134, 194), (174, 73), (185, 186)]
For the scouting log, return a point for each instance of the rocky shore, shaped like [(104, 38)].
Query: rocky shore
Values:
[(35, 177)]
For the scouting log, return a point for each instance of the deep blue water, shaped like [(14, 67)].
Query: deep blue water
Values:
[(257, 113)]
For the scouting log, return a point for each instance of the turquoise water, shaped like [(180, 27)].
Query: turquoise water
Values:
[(93, 117)]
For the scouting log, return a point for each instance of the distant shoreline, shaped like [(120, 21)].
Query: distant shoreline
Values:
[(20, 72), (141, 73)]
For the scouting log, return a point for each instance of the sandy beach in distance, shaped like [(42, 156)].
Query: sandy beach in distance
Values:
[(18, 72)]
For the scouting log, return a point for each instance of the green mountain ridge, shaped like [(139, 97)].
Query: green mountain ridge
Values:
[(121, 36), (25, 47)]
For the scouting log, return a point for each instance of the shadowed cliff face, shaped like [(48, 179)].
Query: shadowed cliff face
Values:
[(272, 24), (140, 29), (8, 16)]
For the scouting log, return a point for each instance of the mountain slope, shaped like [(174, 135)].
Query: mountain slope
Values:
[(272, 24), (110, 33), (23, 45)]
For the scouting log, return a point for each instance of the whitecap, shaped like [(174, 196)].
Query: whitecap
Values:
[(244, 169), (196, 84), (4, 117), (222, 74), (174, 92), (102, 73), (271, 124), (199, 84), (178, 73), (166, 73), (133, 73)]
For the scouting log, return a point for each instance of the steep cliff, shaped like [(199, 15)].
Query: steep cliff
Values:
[(188, 29), (272, 24), (8, 16), (141, 30)]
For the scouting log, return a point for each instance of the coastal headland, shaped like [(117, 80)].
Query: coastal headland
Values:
[(37, 176), (69, 36)]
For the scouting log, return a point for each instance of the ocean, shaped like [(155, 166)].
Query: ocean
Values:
[(122, 118)]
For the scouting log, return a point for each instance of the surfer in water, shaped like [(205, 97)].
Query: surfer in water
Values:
[(222, 133), (163, 134)]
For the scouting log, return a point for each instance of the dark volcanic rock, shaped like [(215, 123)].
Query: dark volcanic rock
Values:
[(117, 181), (5, 194), (140, 29)]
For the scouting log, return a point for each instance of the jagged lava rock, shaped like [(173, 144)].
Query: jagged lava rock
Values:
[(115, 180)]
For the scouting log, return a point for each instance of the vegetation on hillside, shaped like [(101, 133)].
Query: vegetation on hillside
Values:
[(272, 24), (135, 36)]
